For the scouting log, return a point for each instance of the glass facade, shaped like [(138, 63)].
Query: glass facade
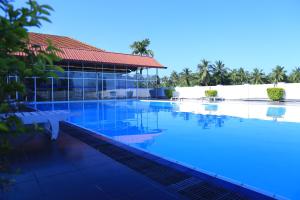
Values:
[(104, 82)]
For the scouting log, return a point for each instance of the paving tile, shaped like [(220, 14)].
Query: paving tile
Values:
[(117, 180), (44, 169), (71, 186)]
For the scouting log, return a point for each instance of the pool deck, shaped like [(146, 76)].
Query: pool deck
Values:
[(81, 166)]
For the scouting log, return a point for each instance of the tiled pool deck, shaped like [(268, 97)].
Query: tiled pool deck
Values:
[(80, 165)]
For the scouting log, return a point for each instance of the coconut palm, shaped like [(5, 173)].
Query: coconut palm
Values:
[(204, 72), (278, 74), (233, 77), (257, 76), (175, 79), (219, 72), (186, 76), (295, 75), (141, 48), (243, 76)]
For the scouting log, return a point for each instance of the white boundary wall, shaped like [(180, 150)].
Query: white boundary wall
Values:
[(292, 91)]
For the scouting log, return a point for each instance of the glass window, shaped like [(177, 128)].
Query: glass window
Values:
[(90, 89), (121, 73), (131, 74), (60, 89), (75, 74), (142, 73), (44, 89), (152, 73), (121, 89), (131, 89), (76, 89), (62, 74), (90, 75), (109, 75), (142, 91), (29, 87), (109, 89)]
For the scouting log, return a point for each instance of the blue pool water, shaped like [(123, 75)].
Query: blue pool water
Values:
[(264, 153)]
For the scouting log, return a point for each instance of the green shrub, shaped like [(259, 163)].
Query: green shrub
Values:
[(169, 93), (276, 94), (211, 93)]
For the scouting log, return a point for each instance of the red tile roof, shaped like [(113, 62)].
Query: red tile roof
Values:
[(73, 50), (59, 41)]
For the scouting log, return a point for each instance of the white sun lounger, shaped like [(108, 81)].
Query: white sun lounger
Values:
[(51, 119)]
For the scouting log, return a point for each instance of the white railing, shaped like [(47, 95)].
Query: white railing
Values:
[(234, 92)]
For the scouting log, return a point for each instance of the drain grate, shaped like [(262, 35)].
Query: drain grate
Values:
[(185, 183), (204, 191), (164, 175)]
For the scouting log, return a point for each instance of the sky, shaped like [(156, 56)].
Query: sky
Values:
[(241, 33)]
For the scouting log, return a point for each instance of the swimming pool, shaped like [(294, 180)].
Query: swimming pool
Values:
[(255, 144)]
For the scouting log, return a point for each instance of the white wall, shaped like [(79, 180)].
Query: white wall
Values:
[(292, 91)]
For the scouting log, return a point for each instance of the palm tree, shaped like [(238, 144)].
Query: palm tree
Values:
[(219, 72), (278, 74), (257, 76), (186, 76), (174, 77), (233, 76), (141, 48), (243, 76), (204, 72), (295, 75)]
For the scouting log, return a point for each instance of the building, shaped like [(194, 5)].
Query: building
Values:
[(92, 73)]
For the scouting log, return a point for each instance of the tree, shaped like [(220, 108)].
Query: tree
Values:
[(166, 82), (175, 79), (278, 74), (243, 76), (19, 59), (257, 76), (233, 77), (186, 76), (219, 72), (204, 72), (141, 48), (295, 75)]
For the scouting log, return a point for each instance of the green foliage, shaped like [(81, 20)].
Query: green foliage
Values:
[(18, 58), (204, 72), (219, 73), (278, 74), (141, 48), (295, 75), (276, 94), (169, 93), (211, 93), (257, 76), (186, 77)]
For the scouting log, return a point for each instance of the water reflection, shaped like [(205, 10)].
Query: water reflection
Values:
[(136, 122), (276, 112)]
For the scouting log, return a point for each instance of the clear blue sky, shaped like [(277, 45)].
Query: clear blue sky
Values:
[(241, 33)]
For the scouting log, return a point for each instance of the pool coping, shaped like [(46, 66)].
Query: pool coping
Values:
[(243, 189)]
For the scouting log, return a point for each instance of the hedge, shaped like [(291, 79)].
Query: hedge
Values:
[(169, 93), (211, 93), (276, 94)]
